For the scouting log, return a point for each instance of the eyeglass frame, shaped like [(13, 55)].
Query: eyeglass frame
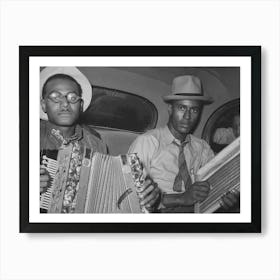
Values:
[(65, 97)]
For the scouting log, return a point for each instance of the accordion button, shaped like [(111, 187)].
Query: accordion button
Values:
[(86, 162)]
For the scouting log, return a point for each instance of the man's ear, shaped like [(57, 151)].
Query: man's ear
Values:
[(169, 108), (81, 105), (43, 105)]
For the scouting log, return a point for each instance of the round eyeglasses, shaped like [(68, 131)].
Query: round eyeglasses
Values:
[(71, 97)]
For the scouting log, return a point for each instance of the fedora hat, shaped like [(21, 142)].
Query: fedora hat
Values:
[(187, 87), (75, 74)]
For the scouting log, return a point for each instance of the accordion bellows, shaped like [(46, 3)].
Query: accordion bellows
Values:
[(223, 174), (107, 184)]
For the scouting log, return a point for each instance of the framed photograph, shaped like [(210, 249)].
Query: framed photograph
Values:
[(140, 138)]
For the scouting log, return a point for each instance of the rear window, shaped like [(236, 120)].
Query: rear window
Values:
[(117, 109)]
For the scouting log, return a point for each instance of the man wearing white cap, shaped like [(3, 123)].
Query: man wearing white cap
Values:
[(172, 155), (65, 93)]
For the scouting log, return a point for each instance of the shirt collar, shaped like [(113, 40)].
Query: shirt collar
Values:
[(168, 138), (54, 134)]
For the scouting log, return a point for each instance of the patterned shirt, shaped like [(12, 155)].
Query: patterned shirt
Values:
[(51, 139), (87, 137), (159, 155)]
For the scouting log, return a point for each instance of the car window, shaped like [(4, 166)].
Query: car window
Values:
[(117, 109)]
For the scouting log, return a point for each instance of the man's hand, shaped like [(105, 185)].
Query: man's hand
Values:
[(197, 192), (44, 179), (150, 196), (231, 201)]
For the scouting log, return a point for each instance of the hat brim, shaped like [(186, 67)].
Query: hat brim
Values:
[(74, 73), (205, 100)]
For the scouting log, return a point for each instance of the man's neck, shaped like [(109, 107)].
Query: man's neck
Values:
[(66, 131), (181, 137)]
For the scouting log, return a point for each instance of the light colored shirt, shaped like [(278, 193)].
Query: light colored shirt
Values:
[(159, 155), (224, 136)]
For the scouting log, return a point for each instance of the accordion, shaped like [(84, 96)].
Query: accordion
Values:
[(106, 184), (223, 174)]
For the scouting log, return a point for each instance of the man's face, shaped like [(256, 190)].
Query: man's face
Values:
[(62, 113), (184, 115)]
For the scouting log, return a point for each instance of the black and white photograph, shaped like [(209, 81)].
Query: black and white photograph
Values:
[(161, 136), (164, 175)]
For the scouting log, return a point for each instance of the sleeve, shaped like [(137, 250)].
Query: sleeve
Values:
[(94, 140), (144, 146), (207, 153)]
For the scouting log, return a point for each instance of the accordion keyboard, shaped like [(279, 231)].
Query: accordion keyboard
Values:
[(51, 166)]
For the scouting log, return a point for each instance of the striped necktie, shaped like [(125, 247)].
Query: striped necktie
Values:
[(183, 177)]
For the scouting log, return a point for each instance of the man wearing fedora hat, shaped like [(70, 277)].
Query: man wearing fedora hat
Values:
[(65, 94), (172, 155)]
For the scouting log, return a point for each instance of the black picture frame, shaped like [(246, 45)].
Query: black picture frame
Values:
[(254, 52)]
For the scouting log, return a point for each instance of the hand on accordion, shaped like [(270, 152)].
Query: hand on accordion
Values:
[(150, 196), (44, 179)]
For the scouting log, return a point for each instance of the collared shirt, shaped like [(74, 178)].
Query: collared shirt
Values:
[(85, 136), (159, 155), (51, 139)]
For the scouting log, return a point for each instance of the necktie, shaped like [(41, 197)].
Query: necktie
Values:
[(183, 176)]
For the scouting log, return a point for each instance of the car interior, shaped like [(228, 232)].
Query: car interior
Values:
[(127, 101)]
